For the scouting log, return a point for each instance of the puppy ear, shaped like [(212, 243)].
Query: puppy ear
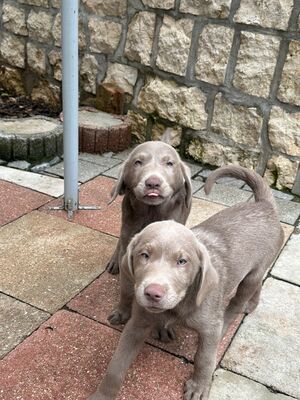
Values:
[(119, 188), (209, 277), (186, 172), (127, 260)]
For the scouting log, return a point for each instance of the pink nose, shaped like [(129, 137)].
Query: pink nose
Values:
[(154, 292), (153, 182)]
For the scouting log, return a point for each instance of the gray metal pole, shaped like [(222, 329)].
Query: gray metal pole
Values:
[(69, 13)]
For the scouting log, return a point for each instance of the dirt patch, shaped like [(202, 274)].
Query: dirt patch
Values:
[(22, 106)]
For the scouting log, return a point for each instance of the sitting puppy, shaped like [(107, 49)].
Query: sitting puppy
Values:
[(177, 274), (156, 186)]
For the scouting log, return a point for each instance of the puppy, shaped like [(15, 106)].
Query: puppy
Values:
[(156, 185), (202, 277)]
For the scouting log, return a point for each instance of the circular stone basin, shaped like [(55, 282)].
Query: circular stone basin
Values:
[(32, 139), (98, 119)]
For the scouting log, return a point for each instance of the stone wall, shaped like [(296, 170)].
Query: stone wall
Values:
[(222, 75)]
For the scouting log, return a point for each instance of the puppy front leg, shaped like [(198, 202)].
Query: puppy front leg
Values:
[(128, 348), (113, 265), (198, 387)]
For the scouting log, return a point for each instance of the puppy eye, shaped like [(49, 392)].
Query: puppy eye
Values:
[(138, 162), (181, 261), (145, 256), (170, 163)]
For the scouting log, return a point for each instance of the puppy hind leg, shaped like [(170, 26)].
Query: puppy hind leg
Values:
[(246, 295), (253, 302)]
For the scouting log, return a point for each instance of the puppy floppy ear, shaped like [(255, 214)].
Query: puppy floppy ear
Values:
[(186, 172), (209, 277), (119, 188), (127, 260)]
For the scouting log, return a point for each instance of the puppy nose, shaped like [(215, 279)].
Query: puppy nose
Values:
[(154, 292), (153, 182)]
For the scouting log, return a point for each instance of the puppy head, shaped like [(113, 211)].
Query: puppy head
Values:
[(153, 173), (165, 260)]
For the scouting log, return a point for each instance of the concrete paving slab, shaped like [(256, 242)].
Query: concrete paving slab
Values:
[(289, 211), (68, 355), (194, 168), (123, 155), (196, 185), (101, 297), (46, 260), (227, 386), (113, 172), (16, 201), (267, 347), (41, 183), (287, 266), (225, 194), (107, 162), (95, 192), (17, 321), (86, 170), (202, 210)]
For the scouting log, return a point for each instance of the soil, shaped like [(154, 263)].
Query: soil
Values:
[(22, 106)]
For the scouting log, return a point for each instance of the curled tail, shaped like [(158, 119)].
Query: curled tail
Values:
[(259, 187)]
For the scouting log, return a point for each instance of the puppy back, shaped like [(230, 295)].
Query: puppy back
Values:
[(259, 187)]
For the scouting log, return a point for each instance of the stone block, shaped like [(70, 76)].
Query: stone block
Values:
[(122, 76), (87, 140), (56, 30), (47, 93), (163, 4), (36, 58), (39, 24), (140, 37), (208, 8), (287, 266), (266, 13), (174, 44), (285, 171), (14, 19), (266, 347), (284, 131), (11, 80), (89, 68), (213, 53), (256, 63), (50, 145), (22, 164), (218, 154), (36, 148), (39, 3), (239, 123), (296, 186), (289, 89), (105, 35), (6, 142), (101, 141), (138, 126), (55, 59), (115, 8), (180, 104), (12, 49)]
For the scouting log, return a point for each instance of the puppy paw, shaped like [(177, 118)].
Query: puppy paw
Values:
[(164, 334), (118, 317), (112, 267), (194, 391)]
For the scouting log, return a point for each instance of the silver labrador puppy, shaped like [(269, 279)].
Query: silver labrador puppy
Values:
[(156, 186), (201, 277)]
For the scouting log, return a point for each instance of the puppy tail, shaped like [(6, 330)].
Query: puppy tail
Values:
[(260, 189)]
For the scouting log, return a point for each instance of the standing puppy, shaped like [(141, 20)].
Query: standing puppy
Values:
[(189, 276), (156, 186)]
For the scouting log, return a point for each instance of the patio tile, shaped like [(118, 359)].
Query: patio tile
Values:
[(195, 168), (86, 170), (16, 201), (202, 210), (287, 266), (103, 160), (41, 183), (266, 347), (96, 192), (69, 354), (17, 321), (46, 260), (289, 211), (123, 154), (101, 297), (113, 172), (225, 194), (196, 185), (227, 385)]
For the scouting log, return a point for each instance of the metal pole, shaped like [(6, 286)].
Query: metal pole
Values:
[(69, 13)]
